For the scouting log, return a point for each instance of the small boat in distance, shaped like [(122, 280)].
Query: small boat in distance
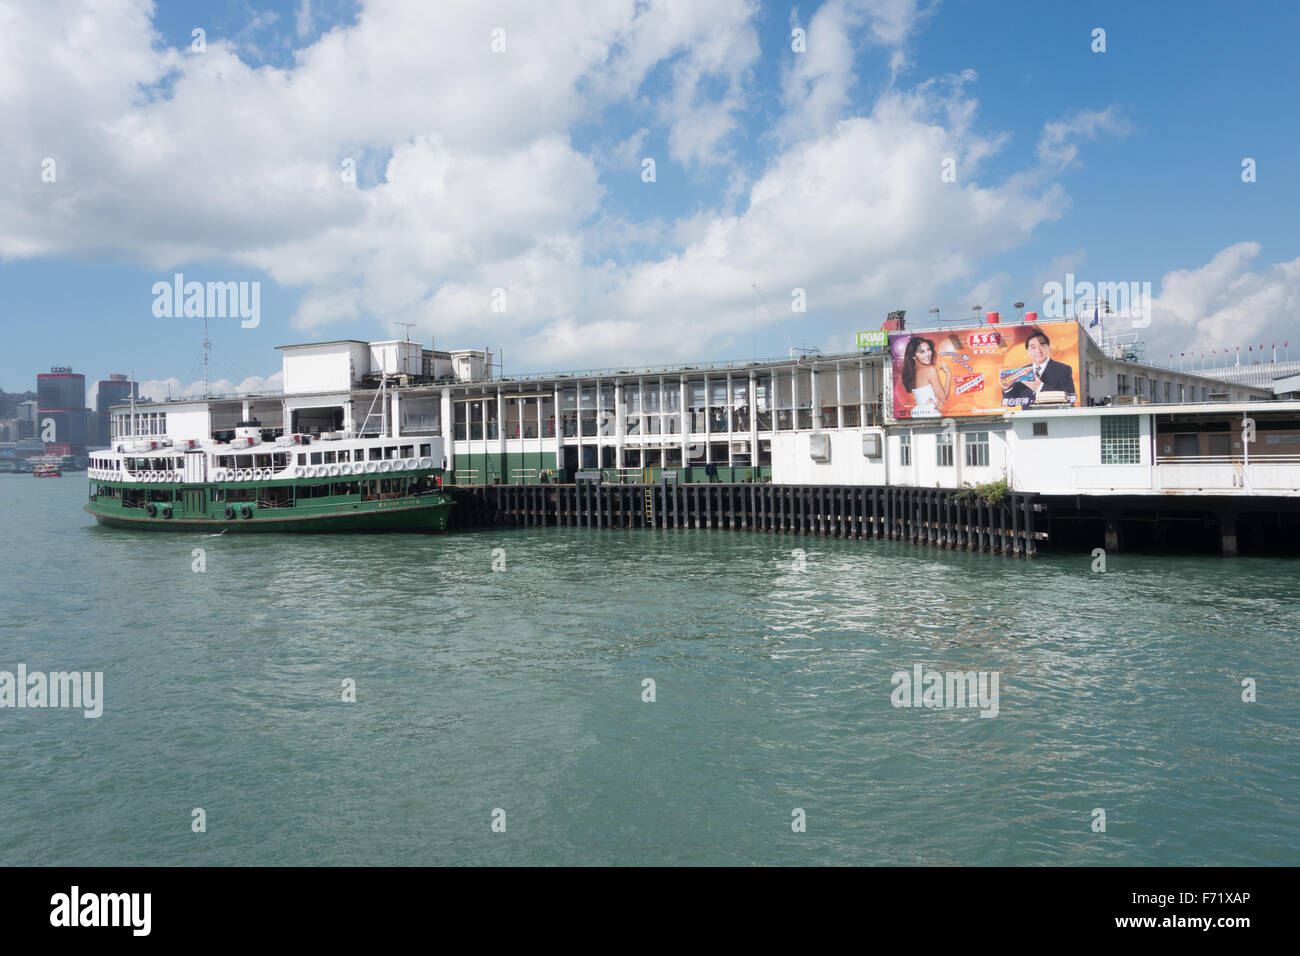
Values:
[(46, 470)]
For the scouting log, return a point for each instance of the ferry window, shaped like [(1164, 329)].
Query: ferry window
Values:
[(329, 457), (905, 449), (427, 450), (302, 459), (346, 488), (943, 451), (1120, 444), (280, 460), (390, 452), (977, 449), (376, 454), (316, 457), (345, 455), (244, 461), (263, 461), (407, 451), (1040, 429)]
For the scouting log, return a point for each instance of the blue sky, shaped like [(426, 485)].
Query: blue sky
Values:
[(521, 170)]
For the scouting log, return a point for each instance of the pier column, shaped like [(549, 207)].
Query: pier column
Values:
[(1113, 537), (1227, 515)]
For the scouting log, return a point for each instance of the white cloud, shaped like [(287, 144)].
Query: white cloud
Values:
[(164, 389), (1058, 144), (1224, 303), (483, 187)]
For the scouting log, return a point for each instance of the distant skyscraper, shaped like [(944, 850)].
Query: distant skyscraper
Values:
[(61, 411), (115, 390)]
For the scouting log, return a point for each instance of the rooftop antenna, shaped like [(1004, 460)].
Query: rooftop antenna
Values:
[(206, 346)]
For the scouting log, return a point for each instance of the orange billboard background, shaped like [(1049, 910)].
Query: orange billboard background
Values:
[(957, 373)]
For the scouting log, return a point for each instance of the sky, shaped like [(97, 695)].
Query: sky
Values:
[(483, 172)]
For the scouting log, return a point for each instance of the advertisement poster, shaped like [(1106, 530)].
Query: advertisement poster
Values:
[(955, 373)]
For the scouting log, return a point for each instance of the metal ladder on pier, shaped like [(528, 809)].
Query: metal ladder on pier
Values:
[(649, 506)]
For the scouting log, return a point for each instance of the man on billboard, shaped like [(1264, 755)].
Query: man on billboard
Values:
[(1022, 386)]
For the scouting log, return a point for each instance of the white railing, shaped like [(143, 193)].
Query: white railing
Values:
[(460, 475)]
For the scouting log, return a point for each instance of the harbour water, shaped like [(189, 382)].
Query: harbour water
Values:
[(522, 690)]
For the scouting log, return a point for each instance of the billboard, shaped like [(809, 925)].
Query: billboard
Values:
[(956, 373)]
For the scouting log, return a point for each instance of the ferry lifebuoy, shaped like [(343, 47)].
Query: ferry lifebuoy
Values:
[(311, 471), (426, 462), (297, 471), (385, 465), (334, 470), (371, 466), (218, 474)]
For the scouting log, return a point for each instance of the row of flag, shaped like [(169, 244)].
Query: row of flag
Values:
[(1249, 348)]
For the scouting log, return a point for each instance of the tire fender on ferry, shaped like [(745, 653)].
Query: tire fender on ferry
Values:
[(151, 510), (246, 511), (230, 512)]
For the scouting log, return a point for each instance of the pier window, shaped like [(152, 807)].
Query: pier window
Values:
[(1120, 442), (718, 406), (943, 450), (784, 401), (672, 408), (421, 416), (803, 388), (460, 423), (492, 418), (587, 411), (850, 396), (763, 402), (633, 418), (905, 450), (740, 405), (696, 406), (977, 449), (569, 412), (651, 407)]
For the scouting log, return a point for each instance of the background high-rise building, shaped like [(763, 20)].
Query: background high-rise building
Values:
[(115, 390), (61, 411)]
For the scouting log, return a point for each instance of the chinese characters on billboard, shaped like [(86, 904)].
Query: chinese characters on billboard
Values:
[(941, 373)]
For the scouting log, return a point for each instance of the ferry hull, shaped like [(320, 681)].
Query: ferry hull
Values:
[(423, 518)]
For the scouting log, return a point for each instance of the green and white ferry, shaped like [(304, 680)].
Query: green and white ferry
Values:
[(257, 482)]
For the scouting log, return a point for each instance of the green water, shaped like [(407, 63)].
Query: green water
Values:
[(522, 690)]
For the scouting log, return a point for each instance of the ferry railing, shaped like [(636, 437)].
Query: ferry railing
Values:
[(460, 474), (525, 476)]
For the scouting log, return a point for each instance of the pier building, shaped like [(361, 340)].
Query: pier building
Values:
[(1128, 437)]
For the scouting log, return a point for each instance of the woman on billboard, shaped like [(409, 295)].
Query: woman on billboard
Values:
[(925, 381)]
